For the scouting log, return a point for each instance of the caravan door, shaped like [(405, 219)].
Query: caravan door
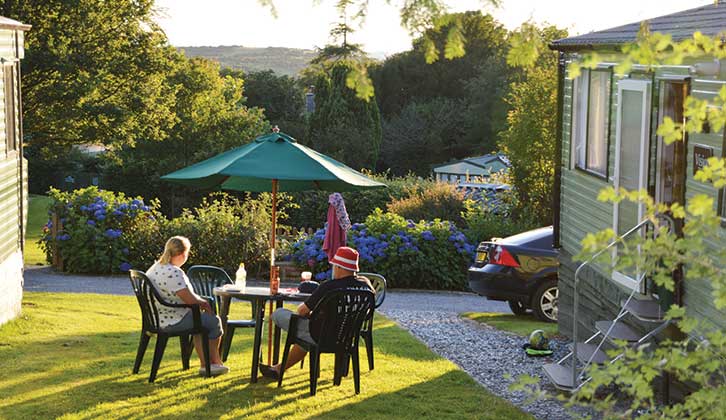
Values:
[(631, 163)]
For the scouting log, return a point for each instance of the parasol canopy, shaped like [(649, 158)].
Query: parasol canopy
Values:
[(273, 156)]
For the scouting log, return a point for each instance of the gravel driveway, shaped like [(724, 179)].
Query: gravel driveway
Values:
[(483, 352)]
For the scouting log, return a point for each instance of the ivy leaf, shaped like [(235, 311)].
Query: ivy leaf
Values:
[(670, 131), (700, 205), (607, 194), (525, 46), (358, 80), (431, 53), (454, 42)]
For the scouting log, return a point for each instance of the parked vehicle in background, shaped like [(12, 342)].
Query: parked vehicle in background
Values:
[(520, 269)]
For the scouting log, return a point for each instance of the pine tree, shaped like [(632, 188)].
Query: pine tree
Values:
[(343, 126)]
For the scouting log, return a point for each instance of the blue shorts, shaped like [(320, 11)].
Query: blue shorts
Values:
[(211, 323)]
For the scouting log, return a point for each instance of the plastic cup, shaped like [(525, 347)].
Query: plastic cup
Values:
[(306, 275)]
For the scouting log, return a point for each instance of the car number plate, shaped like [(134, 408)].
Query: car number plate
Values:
[(481, 256)]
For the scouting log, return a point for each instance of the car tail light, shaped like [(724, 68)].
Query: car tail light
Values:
[(501, 256)]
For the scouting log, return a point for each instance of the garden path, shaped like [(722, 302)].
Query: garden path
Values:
[(483, 352)]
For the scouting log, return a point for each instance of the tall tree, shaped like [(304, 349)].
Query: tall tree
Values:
[(94, 72), (419, 136), (418, 17), (280, 97), (474, 84), (529, 140), (343, 125), (210, 118)]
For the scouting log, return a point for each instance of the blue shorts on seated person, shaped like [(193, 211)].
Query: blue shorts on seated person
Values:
[(210, 322)]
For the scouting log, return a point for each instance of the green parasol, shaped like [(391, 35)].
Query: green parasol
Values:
[(271, 163)]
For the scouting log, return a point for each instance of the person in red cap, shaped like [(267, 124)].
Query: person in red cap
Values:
[(345, 267)]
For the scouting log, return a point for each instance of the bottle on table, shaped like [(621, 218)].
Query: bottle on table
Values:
[(240, 277)]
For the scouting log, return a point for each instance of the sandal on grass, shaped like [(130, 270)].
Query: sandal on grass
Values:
[(269, 372)]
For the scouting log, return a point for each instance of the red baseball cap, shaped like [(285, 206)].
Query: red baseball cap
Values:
[(347, 258)]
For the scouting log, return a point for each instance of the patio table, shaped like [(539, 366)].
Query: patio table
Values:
[(258, 296)]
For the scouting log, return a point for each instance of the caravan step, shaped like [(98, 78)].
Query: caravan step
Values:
[(560, 376), (620, 331), (585, 350), (645, 310)]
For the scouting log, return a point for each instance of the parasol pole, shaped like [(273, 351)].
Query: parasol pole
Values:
[(272, 269)]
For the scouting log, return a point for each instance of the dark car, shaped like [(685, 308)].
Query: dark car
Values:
[(521, 269)]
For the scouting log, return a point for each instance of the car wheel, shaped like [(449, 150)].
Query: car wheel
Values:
[(545, 300), (518, 307)]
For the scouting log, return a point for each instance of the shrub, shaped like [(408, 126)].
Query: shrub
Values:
[(313, 205), (104, 232), (423, 255), (94, 228), (439, 201), (224, 231), (483, 223)]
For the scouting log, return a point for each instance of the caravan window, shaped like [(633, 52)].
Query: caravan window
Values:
[(591, 121)]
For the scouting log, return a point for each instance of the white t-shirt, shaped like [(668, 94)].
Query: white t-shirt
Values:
[(169, 279)]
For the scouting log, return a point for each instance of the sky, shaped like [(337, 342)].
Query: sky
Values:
[(302, 24)]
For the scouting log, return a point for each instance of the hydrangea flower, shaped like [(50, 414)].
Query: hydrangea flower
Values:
[(124, 266), (113, 233), (427, 235), (91, 223)]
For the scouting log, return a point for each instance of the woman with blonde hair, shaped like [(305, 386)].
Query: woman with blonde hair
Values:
[(173, 285)]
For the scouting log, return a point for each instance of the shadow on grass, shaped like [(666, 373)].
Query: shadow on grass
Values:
[(75, 363)]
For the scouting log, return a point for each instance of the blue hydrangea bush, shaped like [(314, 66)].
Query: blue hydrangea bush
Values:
[(106, 232), (91, 234), (418, 255)]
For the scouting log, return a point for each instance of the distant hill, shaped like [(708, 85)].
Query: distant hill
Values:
[(281, 60)]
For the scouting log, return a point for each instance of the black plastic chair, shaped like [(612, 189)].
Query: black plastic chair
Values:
[(204, 278), (340, 316), (149, 301), (379, 285)]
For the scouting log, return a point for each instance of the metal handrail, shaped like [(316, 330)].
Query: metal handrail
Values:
[(632, 230)]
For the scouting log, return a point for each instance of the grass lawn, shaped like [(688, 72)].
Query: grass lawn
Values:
[(70, 356), (37, 217), (518, 324)]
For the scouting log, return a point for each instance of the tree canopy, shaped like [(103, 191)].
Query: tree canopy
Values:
[(94, 72), (531, 134), (469, 91)]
